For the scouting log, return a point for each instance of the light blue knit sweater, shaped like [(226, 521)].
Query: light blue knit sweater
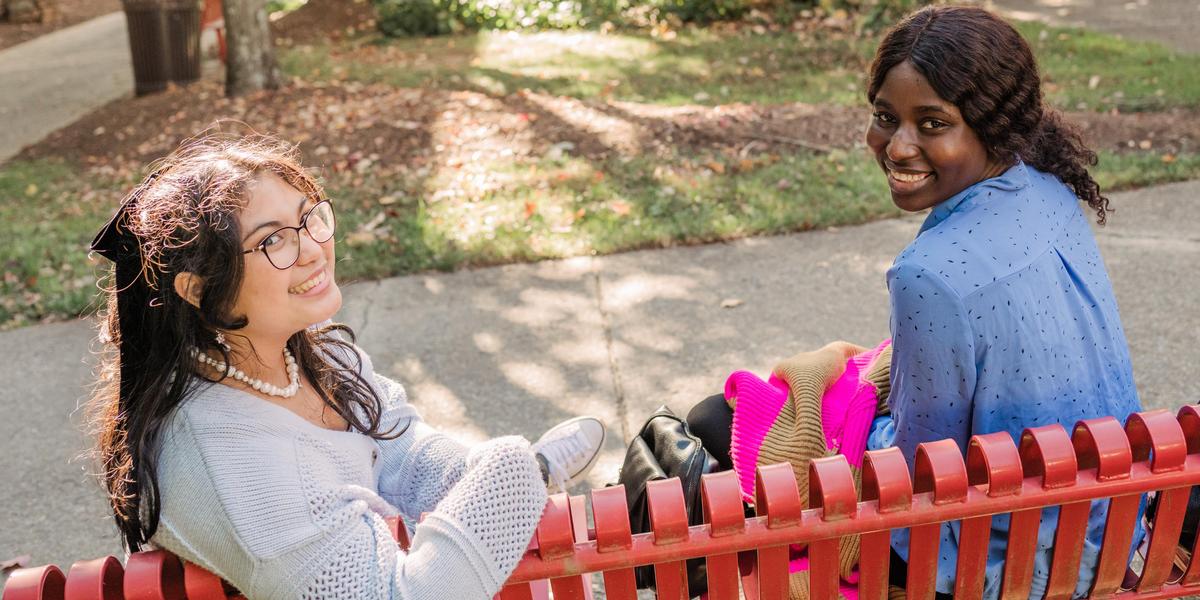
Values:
[(282, 508)]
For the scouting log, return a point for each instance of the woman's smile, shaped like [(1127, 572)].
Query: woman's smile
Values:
[(907, 181), (313, 286)]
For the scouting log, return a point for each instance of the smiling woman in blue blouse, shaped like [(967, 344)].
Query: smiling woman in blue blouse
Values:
[(1002, 313)]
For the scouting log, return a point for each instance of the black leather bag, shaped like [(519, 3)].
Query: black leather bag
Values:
[(664, 448)]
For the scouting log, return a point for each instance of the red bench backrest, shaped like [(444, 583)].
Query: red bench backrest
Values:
[(1154, 451)]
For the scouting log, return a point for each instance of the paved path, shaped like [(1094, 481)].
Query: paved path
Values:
[(1175, 23), (515, 349), (49, 82)]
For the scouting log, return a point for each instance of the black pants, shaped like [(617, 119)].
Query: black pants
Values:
[(711, 420)]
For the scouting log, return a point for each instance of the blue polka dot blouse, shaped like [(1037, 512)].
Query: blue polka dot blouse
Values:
[(1002, 318)]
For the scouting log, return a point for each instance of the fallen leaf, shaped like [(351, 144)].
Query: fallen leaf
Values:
[(1168, 158), (31, 190), (375, 221), (15, 562), (620, 207), (361, 238), (530, 209), (731, 303), (715, 167)]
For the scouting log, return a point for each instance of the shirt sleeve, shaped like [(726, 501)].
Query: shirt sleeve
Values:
[(933, 360)]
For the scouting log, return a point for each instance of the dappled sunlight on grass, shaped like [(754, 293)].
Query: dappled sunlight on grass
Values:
[(560, 47), (490, 212), (1082, 69), (697, 66)]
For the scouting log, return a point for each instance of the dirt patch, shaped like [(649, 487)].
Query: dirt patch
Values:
[(324, 21), (1170, 132), (68, 13), (340, 125)]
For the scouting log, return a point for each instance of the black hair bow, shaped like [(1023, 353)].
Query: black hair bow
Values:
[(115, 241)]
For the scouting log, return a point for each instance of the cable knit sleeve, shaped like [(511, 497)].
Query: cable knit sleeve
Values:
[(419, 467), (465, 549), (285, 513)]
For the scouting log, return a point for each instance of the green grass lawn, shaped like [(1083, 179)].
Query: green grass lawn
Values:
[(530, 210), (1082, 70)]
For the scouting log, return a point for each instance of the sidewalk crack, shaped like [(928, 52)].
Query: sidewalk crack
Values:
[(613, 368), (369, 304)]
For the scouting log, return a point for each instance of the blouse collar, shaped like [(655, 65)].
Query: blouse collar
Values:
[(1015, 178)]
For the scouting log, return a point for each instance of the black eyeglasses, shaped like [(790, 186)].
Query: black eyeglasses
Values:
[(282, 247)]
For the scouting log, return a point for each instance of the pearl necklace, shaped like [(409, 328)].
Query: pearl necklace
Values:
[(259, 385)]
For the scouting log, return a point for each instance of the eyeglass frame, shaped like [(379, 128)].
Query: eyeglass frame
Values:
[(303, 227)]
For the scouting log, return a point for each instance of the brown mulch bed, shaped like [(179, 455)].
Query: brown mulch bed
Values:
[(324, 20), (339, 125), (67, 13)]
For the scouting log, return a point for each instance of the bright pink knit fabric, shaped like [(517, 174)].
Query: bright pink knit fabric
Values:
[(758, 404), (847, 587), (847, 409)]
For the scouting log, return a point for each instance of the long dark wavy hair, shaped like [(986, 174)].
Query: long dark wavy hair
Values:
[(183, 218), (978, 62)]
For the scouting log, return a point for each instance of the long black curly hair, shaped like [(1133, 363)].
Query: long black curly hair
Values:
[(978, 62)]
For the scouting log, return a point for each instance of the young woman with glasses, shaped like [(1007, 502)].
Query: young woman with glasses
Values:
[(242, 430)]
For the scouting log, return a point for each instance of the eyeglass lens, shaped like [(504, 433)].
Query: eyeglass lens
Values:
[(320, 224)]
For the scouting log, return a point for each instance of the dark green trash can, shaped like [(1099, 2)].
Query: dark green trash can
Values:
[(164, 40)]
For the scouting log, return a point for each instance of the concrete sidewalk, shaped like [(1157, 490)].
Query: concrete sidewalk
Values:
[(51, 81), (515, 349)]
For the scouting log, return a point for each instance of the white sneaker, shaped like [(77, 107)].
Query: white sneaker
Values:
[(569, 450)]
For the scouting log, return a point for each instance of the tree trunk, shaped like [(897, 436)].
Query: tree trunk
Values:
[(251, 56)]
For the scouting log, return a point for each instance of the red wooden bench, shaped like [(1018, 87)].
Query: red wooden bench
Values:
[(1101, 459)]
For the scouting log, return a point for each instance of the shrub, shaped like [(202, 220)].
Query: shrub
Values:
[(402, 18), (432, 17), (702, 11)]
